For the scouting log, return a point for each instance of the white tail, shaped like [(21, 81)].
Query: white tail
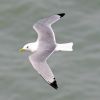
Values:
[(64, 47)]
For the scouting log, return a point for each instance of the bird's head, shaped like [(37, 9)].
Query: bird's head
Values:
[(29, 47)]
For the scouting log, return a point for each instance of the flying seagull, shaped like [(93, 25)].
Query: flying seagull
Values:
[(44, 46)]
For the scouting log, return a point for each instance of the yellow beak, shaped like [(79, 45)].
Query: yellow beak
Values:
[(21, 50)]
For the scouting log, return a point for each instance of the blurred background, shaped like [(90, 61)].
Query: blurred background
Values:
[(77, 72)]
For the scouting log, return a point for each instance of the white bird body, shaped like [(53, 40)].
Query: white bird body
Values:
[(44, 47), (59, 47)]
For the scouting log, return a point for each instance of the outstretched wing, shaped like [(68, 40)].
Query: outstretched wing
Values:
[(41, 66), (46, 36), (46, 45)]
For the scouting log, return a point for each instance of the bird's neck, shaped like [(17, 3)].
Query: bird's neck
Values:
[(33, 46)]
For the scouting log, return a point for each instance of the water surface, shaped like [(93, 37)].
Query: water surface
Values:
[(77, 73)]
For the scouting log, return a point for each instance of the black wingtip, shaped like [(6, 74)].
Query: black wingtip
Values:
[(54, 84), (61, 14)]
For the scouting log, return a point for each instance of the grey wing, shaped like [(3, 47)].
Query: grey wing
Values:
[(46, 37), (45, 32), (43, 69), (50, 20)]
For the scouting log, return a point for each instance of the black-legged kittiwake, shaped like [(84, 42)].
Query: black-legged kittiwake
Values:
[(44, 46)]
